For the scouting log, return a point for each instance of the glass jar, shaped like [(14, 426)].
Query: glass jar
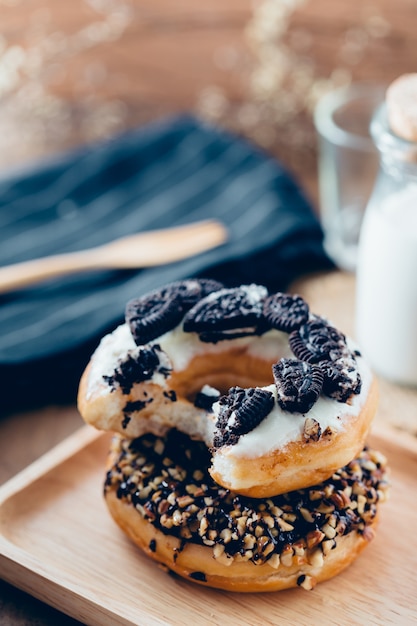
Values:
[(386, 302), (347, 166)]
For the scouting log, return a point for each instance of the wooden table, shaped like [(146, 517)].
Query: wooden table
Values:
[(80, 71)]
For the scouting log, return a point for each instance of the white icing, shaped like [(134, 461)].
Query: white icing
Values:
[(207, 390), (113, 349), (278, 429), (180, 348), (110, 351), (183, 347), (254, 294)]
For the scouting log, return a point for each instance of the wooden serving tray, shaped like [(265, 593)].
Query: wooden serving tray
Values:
[(58, 543)]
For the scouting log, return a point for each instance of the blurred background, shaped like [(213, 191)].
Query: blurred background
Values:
[(72, 73)]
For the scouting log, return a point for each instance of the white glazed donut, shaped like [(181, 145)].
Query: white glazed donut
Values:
[(293, 400)]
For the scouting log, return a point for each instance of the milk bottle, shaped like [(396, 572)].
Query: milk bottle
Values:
[(386, 309)]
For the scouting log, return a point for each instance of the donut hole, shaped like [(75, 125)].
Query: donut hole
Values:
[(222, 371)]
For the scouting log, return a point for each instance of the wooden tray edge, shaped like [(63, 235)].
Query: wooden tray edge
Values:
[(57, 455)]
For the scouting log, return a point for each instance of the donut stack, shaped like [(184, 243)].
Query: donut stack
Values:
[(240, 419)]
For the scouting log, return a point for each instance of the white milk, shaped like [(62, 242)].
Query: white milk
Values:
[(387, 286)]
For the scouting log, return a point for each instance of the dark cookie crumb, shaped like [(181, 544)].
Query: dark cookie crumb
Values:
[(285, 312), (136, 405), (298, 384), (205, 398), (167, 481), (159, 311), (228, 314), (132, 407), (327, 433), (170, 395), (126, 421), (241, 410), (137, 367), (152, 545), (198, 576)]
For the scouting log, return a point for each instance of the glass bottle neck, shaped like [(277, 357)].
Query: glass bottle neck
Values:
[(398, 156)]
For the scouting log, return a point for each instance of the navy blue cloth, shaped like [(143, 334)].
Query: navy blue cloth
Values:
[(168, 173)]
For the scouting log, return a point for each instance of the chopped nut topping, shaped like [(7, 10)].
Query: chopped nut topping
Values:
[(306, 582), (316, 558), (274, 561), (287, 555), (312, 430), (164, 480), (314, 538)]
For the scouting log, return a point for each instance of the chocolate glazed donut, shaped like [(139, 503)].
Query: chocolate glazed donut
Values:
[(160, 493)]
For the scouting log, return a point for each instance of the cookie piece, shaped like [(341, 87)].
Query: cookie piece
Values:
[(285, 312), (194, 289), (317, 341), (241, 410), (206, 398), (161, 310), (298, 384), (139, 365), (341, 378), (228, 314)]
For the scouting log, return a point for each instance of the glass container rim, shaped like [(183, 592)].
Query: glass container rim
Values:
[(327, 106)]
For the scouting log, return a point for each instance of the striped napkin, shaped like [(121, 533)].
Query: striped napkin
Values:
[(168, 173)]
